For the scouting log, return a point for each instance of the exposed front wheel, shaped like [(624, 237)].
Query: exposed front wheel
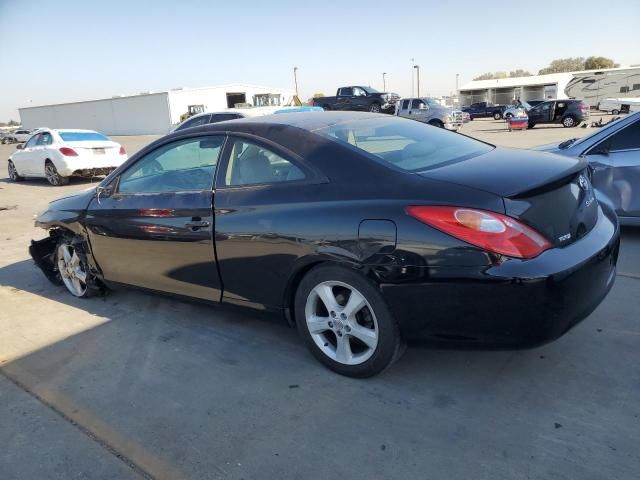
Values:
[(436, 123), (13, 172), (569, 121), (374, 108), (53, 177), (345, 322), (73, 269)]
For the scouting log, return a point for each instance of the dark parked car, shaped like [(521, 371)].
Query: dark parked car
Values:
[(460, 243), (570, 113), (613, 152), (366, 99), (484, 109), (208, 117)]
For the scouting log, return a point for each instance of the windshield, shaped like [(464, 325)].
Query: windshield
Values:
[(405, 144), (82, 136), (370, 90), (430, 101)]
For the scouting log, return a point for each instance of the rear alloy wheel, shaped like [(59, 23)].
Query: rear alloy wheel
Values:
[(53, 177), (345, 322), (569, 121), (497, 115), (374, 108), (13, 173)]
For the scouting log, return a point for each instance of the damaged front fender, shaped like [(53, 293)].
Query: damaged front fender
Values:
[(43, 253)]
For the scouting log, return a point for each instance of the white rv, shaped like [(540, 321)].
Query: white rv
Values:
[(619, 105)]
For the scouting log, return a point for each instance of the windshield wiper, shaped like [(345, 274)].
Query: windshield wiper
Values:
[(566, 143)]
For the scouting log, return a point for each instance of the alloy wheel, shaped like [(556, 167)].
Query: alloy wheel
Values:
[(72, 270), (52, 174), (568, 122), (341, 322), (13, 173), (374, 108)]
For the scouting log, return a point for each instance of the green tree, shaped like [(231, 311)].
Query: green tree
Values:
[(13, 123), (520, 73), (491, 76), (596, 63), (561, 65)]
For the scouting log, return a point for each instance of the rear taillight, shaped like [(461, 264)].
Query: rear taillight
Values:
[(69, 152), (487, 230), (122, 151), (582, 106)]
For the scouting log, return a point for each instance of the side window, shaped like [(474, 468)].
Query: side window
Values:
[(251, 164), (185, 165), (45, 139), (346, 92), (405, 104), (221, 117), (416, 103), (195, 122), (627, 139), (32, 141), (358, 92)]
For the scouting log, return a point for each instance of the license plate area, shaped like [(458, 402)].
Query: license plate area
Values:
[(98, 151)]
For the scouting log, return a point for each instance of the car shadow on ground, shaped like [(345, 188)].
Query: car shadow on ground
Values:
[(42, 182), (182, 388)]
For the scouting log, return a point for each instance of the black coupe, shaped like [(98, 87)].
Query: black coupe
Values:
[(365, 230)]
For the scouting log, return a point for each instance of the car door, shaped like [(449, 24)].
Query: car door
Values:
[(404, 108), (419, 110), (41, 151), (344, 99), (254, 213), (24, 159), (540, 113), (152, 226), (360, 101), (616, 164)]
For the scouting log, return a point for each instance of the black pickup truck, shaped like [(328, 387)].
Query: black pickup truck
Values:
[(484, 109), (358, 98)]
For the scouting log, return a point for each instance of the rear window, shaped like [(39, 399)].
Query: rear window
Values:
[(81, 136), (405, 144)]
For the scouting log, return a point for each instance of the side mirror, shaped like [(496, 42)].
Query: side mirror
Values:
[(107, 190), (20, 146)]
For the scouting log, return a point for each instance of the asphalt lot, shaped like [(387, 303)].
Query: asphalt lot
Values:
[(140, 386)]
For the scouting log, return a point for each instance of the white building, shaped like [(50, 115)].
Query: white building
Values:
[(148, 112), (589, 85)]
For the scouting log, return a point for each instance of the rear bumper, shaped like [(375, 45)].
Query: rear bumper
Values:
[(515, 304), (70, 165)]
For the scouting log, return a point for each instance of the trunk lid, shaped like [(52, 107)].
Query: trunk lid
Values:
[(96, 148), (551, 193)]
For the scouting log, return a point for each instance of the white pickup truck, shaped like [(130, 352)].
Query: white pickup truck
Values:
[(428, 110)]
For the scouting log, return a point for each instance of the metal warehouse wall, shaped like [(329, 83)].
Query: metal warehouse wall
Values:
[(137, 115), (214, 99)]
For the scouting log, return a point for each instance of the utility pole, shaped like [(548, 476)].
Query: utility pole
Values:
[(413, 62), (295, 79), (417, 67), (384, 82)]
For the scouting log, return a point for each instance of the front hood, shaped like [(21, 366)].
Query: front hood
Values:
[(507, 172), (75, 201), (549, 147)]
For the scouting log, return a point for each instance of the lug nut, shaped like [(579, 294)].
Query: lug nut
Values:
[(347, 328), (343, 316), (330, 324), (333, 314)]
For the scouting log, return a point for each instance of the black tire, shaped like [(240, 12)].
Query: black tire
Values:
[(389, 346), (508, 115), (497, 115), (615, 112), (436, 123), (569, 121), (326, 108), (375, 108), (53, 177), (13, 172), (91, 285), (530, 125)]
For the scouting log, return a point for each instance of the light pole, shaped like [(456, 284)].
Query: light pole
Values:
[(417, 67), (295, 79), (413, 62), (384, 82)]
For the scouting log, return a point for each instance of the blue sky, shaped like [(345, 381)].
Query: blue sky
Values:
[(58, 51)]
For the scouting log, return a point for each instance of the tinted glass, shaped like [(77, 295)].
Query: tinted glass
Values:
[(405, 104), (253, 164), (405, 144), (82, 136), (45, 139), (186, 165), (627, 139), (32, 141), (370, 90), (346, 91), (222, 117), (194, 122), (416, 103)]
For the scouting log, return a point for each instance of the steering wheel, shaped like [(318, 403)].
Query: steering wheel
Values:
[(151, 168)]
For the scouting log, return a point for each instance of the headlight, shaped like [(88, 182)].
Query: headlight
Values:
[(446, 119), (386, 97)]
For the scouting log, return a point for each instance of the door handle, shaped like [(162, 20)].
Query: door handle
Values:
[(196, 223)]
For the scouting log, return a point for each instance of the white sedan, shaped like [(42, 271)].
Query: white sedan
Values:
[(59, 154)]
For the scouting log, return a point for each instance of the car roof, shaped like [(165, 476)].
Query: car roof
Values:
[(304, 120)]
